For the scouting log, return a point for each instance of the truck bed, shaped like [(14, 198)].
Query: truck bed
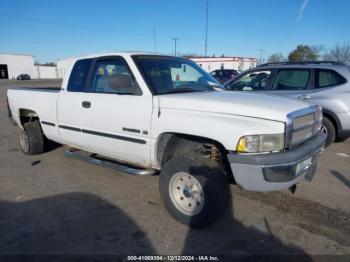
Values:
[(42, 101)]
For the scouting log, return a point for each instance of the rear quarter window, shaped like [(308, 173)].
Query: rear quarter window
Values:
[(79, 74), (328, 78)]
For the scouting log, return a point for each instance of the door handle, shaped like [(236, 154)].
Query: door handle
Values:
[(304, 97), (86, 104)]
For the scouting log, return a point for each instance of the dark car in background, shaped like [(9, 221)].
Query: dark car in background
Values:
[(224, 75), (322, 83), (23, 77)]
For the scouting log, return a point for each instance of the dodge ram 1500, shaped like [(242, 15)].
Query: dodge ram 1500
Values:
[(145, 114)]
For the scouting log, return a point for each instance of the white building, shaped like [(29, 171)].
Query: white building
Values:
[(213, 63), (45, 72), (63, 66), (12, 65)]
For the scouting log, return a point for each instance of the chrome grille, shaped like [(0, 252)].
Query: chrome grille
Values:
[(302, 125)]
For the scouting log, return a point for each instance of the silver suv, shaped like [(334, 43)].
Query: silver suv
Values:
[(323, 83)]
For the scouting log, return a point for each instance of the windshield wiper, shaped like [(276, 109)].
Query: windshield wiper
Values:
[(181, 90)]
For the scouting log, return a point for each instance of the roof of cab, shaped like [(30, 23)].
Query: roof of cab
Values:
[(119, 53)]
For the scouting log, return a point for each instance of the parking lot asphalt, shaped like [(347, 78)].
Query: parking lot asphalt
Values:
[(52, 204)]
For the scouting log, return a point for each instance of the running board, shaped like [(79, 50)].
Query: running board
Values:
[(100, 161)]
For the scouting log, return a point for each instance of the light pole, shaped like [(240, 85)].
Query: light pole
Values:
[(206, 28), (154, 40), (261, 55), (175, 42)]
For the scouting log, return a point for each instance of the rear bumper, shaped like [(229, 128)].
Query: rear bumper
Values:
[(277, 171)]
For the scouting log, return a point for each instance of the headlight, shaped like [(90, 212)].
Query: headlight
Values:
[(260, 143)]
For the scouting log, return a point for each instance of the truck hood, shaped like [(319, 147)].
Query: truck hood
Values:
[(234, 103)]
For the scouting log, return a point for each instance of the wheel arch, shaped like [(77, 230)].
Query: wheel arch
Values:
[(27, 115), (333, 118), (171, 144)]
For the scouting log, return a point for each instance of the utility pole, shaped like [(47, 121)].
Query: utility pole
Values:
[(154, 39), (206, 28), (175, 40), (261, 55)]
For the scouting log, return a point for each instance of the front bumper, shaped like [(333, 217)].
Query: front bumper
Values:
[(277, 171), (344, 133)]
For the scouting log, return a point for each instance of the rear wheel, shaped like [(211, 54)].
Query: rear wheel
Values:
[(329, 130), (195, 191), (32, 138)]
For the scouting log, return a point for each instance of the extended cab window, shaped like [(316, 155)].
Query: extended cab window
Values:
[(79, 75), (328, 78), (252, 81), (291, 79), (113, 76)]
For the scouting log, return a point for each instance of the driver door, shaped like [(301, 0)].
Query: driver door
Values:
[(117, 115)]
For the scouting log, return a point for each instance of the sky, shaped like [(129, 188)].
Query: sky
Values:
[(52, 30)]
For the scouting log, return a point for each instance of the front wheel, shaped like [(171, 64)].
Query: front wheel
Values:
[(195, 191)]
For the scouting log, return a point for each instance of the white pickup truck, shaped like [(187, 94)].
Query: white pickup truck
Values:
[(144, 113)]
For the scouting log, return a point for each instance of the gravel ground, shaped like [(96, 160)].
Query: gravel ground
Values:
[(51, 204)]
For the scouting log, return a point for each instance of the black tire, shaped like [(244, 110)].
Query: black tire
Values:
[(213, 182), (330, 131), (32, 138)]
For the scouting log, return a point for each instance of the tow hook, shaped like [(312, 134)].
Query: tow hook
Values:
[(293, 188)]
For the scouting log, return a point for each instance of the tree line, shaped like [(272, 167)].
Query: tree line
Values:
[(338, 53)]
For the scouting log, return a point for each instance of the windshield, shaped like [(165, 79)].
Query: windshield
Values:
[(166, 75)]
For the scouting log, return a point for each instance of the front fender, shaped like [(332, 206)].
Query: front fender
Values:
[(226, 129)]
